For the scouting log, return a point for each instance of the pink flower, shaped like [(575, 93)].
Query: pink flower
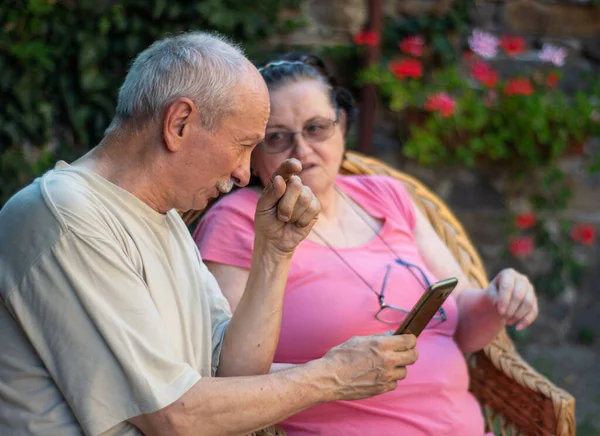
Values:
[(521, 246), (553, 54), (442, 103), (483, 43), (484, 73), (406, 68), (366, 37), (518, 86), (512, 45), (413, 45)]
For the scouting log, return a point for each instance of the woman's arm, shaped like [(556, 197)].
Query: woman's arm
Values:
[(482, 312)]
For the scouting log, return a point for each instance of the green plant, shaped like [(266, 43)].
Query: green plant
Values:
[(62, 62), (441, 32), (466, 113)]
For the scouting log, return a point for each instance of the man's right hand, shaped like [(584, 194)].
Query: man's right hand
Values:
[(366, 366), (286, 210)]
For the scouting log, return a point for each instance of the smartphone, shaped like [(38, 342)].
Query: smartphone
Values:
[(426, 307)]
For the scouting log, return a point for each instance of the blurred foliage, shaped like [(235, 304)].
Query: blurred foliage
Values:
[(442, 33), (468, 113), (62, 63)]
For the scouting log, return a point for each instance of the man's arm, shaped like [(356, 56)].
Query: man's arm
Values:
[(359, 368), (251, 338), (285, 214)]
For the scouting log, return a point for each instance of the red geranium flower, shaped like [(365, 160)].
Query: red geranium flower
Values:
[(366, 37), (485, 74), (442, 103), (583, 233), (406, 68), (552, 80), (525, 221), (521, 246), (518, 86), (512, 45), (413, 45)]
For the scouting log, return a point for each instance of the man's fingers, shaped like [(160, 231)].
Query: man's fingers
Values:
[(277, 185), (287, 169), (302, 203), (310, 215), (397, 342), (404, 358), (287, 203), (271, 194)]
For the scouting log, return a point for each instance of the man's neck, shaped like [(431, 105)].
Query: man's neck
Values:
[(127, 162)]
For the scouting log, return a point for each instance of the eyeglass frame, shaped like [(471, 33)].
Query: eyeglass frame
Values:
[(381, 297), (293, 134)]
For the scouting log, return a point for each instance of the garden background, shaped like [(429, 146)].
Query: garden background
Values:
[(494, 104)]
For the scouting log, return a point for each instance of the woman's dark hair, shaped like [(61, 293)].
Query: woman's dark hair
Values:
[(293, 67)]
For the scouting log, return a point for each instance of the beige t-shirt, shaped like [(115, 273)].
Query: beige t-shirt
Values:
[(106, 310)]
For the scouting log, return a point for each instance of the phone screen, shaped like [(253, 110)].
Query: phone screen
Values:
[(426, 307)]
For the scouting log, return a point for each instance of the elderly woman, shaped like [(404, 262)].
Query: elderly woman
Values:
[(367, 261)]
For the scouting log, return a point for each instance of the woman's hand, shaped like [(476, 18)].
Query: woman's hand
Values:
[(286, 210), (514, 298)]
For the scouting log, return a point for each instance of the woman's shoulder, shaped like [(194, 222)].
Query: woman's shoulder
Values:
[(382, 194), (377, 184)]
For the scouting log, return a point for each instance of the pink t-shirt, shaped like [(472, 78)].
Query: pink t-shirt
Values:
[(326, 304)]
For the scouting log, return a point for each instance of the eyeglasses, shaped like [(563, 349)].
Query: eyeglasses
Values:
[(391, 314), (318, 130)]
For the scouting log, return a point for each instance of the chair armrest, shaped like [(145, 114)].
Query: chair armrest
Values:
[(516, 396)]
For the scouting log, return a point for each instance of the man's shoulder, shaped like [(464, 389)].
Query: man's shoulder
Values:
[(29, 228)]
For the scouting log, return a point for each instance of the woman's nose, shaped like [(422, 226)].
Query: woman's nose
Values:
[(301, 146)]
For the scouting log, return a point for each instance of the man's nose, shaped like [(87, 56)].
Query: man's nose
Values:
[(241, 176)]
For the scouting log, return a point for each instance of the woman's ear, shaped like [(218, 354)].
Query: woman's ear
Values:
[(343, 121)]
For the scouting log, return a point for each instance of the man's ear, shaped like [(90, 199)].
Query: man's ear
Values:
[(177, 122)]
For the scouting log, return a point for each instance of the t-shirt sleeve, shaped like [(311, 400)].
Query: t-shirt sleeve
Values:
[(389, 189), (91, 319), (220, 315), (225, 234)]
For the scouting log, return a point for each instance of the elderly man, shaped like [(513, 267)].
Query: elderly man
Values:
[(110, 322)]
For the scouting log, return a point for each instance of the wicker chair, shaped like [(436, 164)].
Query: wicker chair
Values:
[(516, 400)]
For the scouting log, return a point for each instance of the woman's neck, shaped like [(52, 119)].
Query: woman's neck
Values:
[(330, 204)]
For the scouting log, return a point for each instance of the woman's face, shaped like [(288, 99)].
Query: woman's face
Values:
[(302, 106)]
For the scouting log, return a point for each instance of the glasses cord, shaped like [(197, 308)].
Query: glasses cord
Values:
[(347, 200)]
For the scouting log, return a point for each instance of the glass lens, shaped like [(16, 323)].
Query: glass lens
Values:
[(390, 315), (318, 130), (276, 142)]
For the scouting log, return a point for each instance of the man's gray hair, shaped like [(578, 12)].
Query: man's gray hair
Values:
[(202, 67)]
